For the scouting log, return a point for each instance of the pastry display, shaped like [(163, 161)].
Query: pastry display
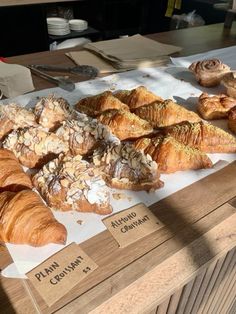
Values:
[(12, 176), (229, 81), (95, 105), (34, 146), (171, 155), (124, 124), (137, 97), (215, 107), (13, 117), (232, 120), (161, 114), (70, 183), (51, 111), (24, 219), (126, 168), (209, 72), (204, 136), (84, 134)]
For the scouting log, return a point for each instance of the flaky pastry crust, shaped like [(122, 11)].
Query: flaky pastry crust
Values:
[(215, 107), (232, 120), (229, 81)]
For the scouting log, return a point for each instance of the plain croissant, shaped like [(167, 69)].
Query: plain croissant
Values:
[(24, 219), (12, 176)]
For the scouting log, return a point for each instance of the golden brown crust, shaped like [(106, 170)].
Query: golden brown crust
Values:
[(171, 155), (215, 107), (95, 105), (127, 168), (232, 120), (12, 176), (24, 219), (70, 183), (229, 81), (209, 72), (34, 146), (51, 111), (204, 136), (137, 97), (161, 114), (124, 124), (13, 117)]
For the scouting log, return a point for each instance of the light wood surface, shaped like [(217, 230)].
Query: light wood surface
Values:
[(6, 3), (199, 230)]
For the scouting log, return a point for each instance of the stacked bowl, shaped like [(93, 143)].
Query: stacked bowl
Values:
[(58, 26), (78, 25)]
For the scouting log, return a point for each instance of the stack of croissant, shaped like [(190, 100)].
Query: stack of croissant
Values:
[(124, 140)]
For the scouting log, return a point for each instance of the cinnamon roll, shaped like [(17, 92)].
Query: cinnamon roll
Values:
[(209, 72)]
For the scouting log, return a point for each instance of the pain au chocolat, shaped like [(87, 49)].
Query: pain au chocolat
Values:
[(95, 105), (204, 136), (125, 167), (215, 107), (171, 155), (124, 124), (161, 114), (137, 97)]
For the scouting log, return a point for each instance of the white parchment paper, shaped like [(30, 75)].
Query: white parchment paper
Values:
[(174, 82)]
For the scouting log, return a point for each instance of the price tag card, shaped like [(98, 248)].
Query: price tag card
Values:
[(56, 276), (132, 224)]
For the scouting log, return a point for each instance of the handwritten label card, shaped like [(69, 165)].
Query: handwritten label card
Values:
[(61, 272), (132, 224)]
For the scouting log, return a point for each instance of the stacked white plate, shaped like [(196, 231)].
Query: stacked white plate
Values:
[(78, 25), (58, 26)]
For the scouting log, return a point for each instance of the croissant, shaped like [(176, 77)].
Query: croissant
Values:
[(204, 136), (51, 111), (215, 107), (83, 135), (70, 183), (95, 105), (126, 168), (209, 72), (137, 97), (229, 81), (24, 219), (13, 117), (172, 156), (232, 120), (34, 146), (12, 176), (161, 114), (124, 124)]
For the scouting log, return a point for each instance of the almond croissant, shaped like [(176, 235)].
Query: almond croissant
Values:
[(124, 124), (24, 219), (95, 105), (126, 168), (34, 146), (204, 136), (51, 111), (13, 117), (137, 97), (161, 114), (12, 176), (172, 156)]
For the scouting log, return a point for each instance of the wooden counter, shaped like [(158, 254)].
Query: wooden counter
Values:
[(6, 3), (188, 266)]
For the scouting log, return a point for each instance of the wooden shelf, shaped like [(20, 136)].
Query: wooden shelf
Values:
[(89, 32), (5, 3)]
